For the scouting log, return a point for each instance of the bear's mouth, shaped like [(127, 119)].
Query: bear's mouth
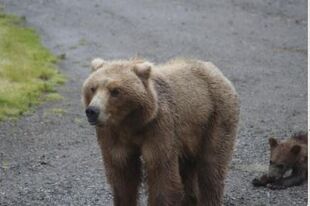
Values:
[(96, 123)]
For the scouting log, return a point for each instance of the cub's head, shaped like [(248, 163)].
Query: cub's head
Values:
[(116, 90), (283, 156)]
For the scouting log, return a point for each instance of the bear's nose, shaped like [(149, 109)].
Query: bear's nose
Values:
[(92, 114)]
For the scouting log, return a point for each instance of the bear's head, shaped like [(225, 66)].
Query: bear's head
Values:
[(118, 92), (283, 156)]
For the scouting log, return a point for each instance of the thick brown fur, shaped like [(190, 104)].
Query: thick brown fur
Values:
[(291, 154), (180, 117)]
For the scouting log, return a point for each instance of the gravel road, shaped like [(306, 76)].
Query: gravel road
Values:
[(51, 157)]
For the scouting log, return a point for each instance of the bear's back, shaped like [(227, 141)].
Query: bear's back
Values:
[(198, 88)]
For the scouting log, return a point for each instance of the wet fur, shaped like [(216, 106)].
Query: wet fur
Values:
[(186, 144), (298, 165)]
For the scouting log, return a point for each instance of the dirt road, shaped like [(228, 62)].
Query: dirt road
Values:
[(50, 156)]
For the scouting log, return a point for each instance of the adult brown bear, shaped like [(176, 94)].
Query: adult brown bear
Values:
[(180, 118)]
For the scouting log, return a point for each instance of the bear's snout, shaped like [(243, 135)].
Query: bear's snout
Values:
[(92, 114)]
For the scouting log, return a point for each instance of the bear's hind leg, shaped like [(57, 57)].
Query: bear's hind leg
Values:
[(211, 185), (189, 179), (214, 160)]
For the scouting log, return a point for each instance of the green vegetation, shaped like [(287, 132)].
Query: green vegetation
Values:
[(54, 111), (53, 97), (27, 69)]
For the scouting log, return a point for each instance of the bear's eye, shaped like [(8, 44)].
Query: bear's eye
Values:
[(93, 89), (114, 92), (270, 162)]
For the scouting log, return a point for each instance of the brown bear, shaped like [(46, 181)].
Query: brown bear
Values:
[(177, 120), (291, 154)]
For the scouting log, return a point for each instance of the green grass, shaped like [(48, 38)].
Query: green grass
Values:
[(27, 69), (53, 97)]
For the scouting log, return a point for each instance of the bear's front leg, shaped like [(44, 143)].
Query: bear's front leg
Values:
[(125, 184), (123, 170), (262, 181), (297, 177), (163, 178)]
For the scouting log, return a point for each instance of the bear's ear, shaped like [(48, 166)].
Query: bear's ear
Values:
[(296, 149), (97, 63), (273, 142), (143, 70)]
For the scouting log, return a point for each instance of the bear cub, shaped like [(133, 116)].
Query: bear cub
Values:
[(176, 120), (291, 154)]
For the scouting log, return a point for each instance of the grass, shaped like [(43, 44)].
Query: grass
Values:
[(27, 69), (59, 111), (53, 97)]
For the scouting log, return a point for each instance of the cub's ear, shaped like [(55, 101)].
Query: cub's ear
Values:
[(296, 149), (97, 63), (273, 142), (143, 70)]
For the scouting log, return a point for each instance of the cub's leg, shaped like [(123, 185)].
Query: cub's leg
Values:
[(297, 178), (262, 181)]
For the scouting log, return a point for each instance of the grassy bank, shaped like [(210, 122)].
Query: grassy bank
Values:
[(27, 69)]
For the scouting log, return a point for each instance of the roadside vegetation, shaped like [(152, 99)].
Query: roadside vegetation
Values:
[(28, 72)]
